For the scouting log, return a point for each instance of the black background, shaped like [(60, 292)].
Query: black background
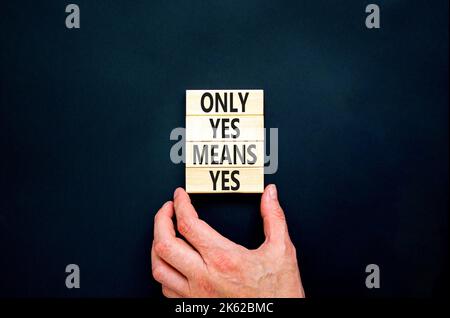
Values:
[(86, 116)]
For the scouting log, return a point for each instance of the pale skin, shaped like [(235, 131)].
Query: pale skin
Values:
[(211, 265)]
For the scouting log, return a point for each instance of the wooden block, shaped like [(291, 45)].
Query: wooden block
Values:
[(227, 102), (225, 154), (224, 141), (225, 180), (224, 128)]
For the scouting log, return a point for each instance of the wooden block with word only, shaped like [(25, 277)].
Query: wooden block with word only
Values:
[(224, 154), (227, 102), (225, 128), (223, 180)]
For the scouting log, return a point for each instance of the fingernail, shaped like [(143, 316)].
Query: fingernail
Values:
[(273, 192), (166, 204), (177, 191)]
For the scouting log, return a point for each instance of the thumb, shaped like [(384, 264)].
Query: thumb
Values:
[(274, 221)]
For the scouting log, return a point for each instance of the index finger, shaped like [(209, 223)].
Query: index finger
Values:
[(172, 249), (203, 237)]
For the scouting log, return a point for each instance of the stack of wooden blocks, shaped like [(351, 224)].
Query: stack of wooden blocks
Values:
[(224, 141)]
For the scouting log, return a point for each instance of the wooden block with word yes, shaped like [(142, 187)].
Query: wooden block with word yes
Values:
[(224, 128), (210, 180)]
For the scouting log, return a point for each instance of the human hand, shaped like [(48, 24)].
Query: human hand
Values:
[(213, 266)]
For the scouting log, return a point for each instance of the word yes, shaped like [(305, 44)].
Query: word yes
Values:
[(225, 124)]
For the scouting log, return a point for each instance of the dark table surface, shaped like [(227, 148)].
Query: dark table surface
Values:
[(86, 116)]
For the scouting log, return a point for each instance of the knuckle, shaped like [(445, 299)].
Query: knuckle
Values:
[(158, 273), (223, 262), (284, 247), (184, 226), (179, 204), (166, 292), (293, 249), (288, 248), (158, 216), (206, 286), (161, 248), (279, 213)]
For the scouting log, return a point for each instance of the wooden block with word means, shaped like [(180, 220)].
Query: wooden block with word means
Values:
[(225, 128), (229, 102), (224, 154), (225, 180)]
